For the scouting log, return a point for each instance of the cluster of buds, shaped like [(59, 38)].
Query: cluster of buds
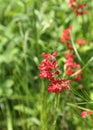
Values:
[(48, 69), (78, 8)]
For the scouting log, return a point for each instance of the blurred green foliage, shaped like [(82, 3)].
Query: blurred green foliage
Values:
[(28, 28)]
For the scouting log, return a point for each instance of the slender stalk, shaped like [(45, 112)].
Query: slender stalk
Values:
[(77, 54), (8, 117), (89, 61), (43, 114), (56, 107), (35, 30), (76, 106)]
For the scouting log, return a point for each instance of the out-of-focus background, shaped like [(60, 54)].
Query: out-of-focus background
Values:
[(28, 28)]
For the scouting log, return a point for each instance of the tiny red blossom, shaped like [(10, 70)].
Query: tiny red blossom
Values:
[(66, 35), (81, 41), (78, 77), (68, 55), (72, 66), (59, 85), (84, 114), (71, 1), (78, 8), (81, 6), (86, 12)]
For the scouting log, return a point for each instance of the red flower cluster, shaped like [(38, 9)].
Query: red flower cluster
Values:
[(71, 65), (84, 114), (78, 8), (65, 38), (48, 65), (59, 85), (66, 34), (48, 70)]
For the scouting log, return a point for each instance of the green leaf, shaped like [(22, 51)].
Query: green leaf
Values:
[(24, 109)]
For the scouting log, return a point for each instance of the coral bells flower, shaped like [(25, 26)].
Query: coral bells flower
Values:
[(78, 76), (71, 1), (59, 85), (84, 114), (66, 34), (81, 41), (78, 8), (48, 69), (68, 55), (72, 67), (48, 65), (70, 71), (66, 38), (70, 64)]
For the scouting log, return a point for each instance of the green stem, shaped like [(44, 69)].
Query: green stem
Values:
[(8, 117), (90, 60), (75, 106), (43, 116), (56, 107), (35, 31), (77, 54)]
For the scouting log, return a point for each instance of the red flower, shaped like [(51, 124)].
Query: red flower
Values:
[(70, 71), (81, 12), (74, 7), (59, 85), (81, 6), (86, 12), (68, 55), (48, 70), (78, 77), (81, 41), (49, 56), (72, 66), (66, 34), (71, 1), (84, 114), (76, 65), (48, 65), (77, 7)]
